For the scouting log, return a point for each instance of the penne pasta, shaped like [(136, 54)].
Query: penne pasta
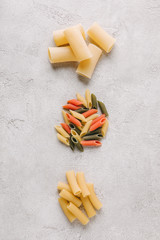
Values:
[(62, 131), (77, 143), (73, 120), (102, 38), (94, 101), (103, 108), (70, 197), (73, 182), (97, 136), (93, 198), (63, 139), (86, 67), (85, 128), (76, 135), (88, 98), (60, 39), (62, 54), (98, 130), (82, 110), (97, 119), (75, 102), (92, 117), (105, 127), (95, 143), (97, 124), (81, 99), (78, 213), (65, 117), (71, 106), (74, 127), (77, 43), (88, 206), (63, 203), (78, 115), (66, 127), (65, 186), (72, 144), (89, 112), (82, 184)]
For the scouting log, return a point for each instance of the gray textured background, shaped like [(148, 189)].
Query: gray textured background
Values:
[(126, 169)]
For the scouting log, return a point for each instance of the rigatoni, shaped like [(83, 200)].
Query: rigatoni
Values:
[(70, 197), (78, 213), (82, 184), (93, 198), (88, 206), (62, 185), (73, 182), (63, 203), (62, 54)]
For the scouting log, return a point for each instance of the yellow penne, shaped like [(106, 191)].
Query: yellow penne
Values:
[(78, 213), (88, 206), (82, 184), (63, 139), (70, 197), (63, 203), (85, 128), (62, 186), (65, 117), (105, 128), (81, 99), (88, 98), (62, 131), (76, 135), (93, 198), (73, 182), (78, 116), (92, 117)]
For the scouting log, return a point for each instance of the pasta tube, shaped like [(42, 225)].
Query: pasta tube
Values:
[(93, 198), (60, 39), (95, 143), (85, 128), (89, 112), (82, 99), (63, 139), (65, 117), (102, 38), (62, 131), (82, 110), (77, 44), (62, 54), (97, 124), (62, 186), (72, 144), (82, 183), (105, 127), (92, 117), (77, 143), (71, 106), (63, 203), (97, 136), (88, 98), (66, 127), (103, 108), (73, 120), (86, 67), (98, 130), (94, 101), (75, 102), (76, 135), (74, 127), (88, 206), (73, 182), (70, 197), (97, 119), (78, 115), (78, 213)]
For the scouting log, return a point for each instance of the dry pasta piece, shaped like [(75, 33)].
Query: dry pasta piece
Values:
[(78, 213), (77, 43), (73, 182), (73, 120), (102, 38), (60, 39), (70, 197), (63, 203), (92, 117), (89, 112), (93, 198), (95, 143), (63, 139), (71, 106), (62, 185), (62, 131), (65, 117), (105, 127), (86, 67), (85, 128), (97, 124), (76, 135), (81, 99), (78, 115), (75, 102), (66, 127), (62, 54), (82, 183), (97, 119), (88, 206), (88, 98)]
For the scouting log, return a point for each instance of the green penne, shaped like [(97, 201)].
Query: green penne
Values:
[(94, 101), (82, 110), (103, 108), (77, 144), (72, 145), (98, 130), (97, 136), (73, 126)]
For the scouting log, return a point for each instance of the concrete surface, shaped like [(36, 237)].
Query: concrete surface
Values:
[(126, 169)]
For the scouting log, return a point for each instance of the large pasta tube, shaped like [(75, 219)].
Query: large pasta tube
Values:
[(86, 67), (93, 198), (70, 197), (88, 206), (82, 183), (62, 186), (73, 182), (61, 54), (77, 43), (102, 38), (78, 213), (60, 39), (63, 203)]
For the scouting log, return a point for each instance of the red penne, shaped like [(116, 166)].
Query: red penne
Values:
[(97, 119), (91, 143), (71, 106), (73, 120), (66, 127), (89, 112), (75, 102), (97, 124)]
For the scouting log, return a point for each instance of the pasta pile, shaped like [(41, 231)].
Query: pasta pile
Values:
[(76, 49), (83, 126), (76, 193)]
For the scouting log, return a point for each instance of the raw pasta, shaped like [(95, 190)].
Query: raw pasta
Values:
[(88, 206), (78, 213), (63, 203), (73, 182), (82, 184), (70, 197), (81, 99), (93, 198), (61, 54), (88, 98), (62, 131), (62, 186), (85, 128), (63, 139), (105, 127)]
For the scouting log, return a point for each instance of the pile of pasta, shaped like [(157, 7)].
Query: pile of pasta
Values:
[(76, 193), (83, 125), (76, 48)]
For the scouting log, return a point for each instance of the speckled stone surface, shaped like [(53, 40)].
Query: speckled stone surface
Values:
[(126, 169)]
